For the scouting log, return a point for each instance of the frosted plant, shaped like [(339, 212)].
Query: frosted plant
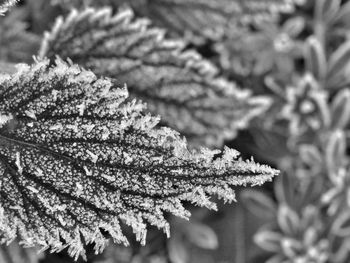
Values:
[(77, 157), (180, 86), (5, 5)]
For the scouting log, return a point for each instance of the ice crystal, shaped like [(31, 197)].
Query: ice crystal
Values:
[(179, 86), (67, 171)]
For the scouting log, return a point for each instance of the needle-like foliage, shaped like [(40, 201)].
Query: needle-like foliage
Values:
[(77, 157), (180, 86)]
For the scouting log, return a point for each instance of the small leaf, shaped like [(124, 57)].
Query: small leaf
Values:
[(294, 26), (291, 247), (116, 254), (326, 10), (268, 240), (177, 250), (310, 236), (340, 109), (259, 204), (76, 157), (284, 189), (341, 250), (288, 220), (335, 153), (316, 58), (200, 235), (277, 258), (179, 86), (343, 15), (337, 64), (311, 155), (341, 225)]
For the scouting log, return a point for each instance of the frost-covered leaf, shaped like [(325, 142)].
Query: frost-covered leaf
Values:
[(198, 20), (76, 157), (179, 86)]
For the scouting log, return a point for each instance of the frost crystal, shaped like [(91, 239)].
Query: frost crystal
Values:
[(179, 86), (63, 179)]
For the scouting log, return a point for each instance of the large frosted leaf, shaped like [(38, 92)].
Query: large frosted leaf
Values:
[(179, 86), (77, 157)]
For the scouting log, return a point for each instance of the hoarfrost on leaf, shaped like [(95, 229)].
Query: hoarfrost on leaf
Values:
[(178, 85)]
